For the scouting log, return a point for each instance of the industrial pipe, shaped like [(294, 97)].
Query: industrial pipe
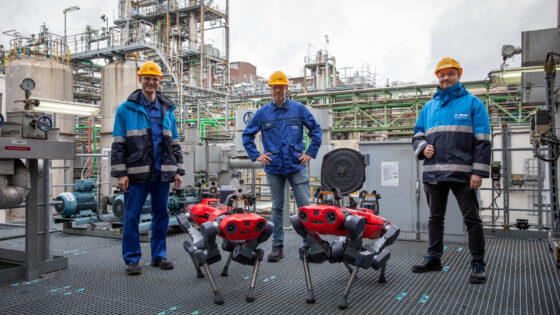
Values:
[(244, 163), (15, 188)]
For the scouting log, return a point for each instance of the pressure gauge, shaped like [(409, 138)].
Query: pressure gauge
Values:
[(27, 84)]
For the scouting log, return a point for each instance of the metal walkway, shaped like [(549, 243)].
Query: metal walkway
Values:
[(522, 279)]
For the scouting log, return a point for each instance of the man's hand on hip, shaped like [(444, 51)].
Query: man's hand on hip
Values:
[(304, 158), (429, 151), (264, 158), (123, 183), (178, 181), (476, 181)]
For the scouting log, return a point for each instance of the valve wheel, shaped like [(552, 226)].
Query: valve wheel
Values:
[(44, 123)]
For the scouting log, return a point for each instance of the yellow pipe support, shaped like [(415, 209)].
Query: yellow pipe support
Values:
[(67, 55)]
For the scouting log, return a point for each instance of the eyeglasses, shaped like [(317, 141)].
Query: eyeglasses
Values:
[(154, 79), (450, 73)]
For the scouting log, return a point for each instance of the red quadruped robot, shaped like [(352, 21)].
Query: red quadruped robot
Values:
[(242, 232), (343, 172)]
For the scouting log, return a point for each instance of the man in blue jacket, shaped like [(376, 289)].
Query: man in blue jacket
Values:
[(146, 157), (281, 124), (452, 136)]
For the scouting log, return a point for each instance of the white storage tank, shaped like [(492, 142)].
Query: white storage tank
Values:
[(53, 81), (118, 81)]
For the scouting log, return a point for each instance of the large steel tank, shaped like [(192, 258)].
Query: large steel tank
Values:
[(53, 81), (118, 81)]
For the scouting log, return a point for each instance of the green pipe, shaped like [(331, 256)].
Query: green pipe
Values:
[(86, 127)]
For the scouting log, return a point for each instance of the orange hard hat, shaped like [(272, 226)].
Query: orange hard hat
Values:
[(448, 62), (150, 68), (278, 78)]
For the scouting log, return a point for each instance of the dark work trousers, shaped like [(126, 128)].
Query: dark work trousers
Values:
[(437, 195)]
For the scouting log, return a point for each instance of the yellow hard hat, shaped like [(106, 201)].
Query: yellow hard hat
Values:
[(150, 68), (448, 62), (278, 78)]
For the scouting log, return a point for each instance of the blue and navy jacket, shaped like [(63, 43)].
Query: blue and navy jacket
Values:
[(132, 152), (456, 123), (282, 135)]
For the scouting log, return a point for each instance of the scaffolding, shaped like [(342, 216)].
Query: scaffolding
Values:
[(390, 113)]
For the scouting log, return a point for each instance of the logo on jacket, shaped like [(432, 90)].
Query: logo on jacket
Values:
[(461, 116)]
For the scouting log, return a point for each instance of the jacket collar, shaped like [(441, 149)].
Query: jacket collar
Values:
[(450, 93), (166, 104), (285, 105)]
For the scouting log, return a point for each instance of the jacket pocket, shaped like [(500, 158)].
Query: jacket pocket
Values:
[(295, 151), (462, 156), (133, 158)]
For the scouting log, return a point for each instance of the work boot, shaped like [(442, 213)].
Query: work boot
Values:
[(162, 264), (430, 264), (275, 255), (132, 269), (477, 274)]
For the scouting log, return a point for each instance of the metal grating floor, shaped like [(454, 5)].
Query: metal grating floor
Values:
[(522, 279)]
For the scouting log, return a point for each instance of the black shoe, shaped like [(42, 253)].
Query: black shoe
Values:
[(162, 264), (132, 269), (430, 264), (477, 274), (275, 255)]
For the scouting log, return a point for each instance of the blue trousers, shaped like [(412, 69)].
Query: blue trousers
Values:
[(300, 186), (134, 201)]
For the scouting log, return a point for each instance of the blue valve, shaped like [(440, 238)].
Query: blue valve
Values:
[(1, 120), (44, 123)]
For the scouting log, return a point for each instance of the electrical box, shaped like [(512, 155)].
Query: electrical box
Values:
[(495, 170), (533, 92), (540, 125), (395, 172)]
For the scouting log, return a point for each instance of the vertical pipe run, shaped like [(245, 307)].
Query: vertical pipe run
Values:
[(201, 45), (539, 193), (31, 244), (507, 171), (552, 149)]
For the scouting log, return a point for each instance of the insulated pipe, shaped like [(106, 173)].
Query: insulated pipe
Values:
[(244, 163), (15, 188)]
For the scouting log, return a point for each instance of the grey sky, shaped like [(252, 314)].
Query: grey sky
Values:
[(402, 39)]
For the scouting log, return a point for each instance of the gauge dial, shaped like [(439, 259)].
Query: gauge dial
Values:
[(27, 84)]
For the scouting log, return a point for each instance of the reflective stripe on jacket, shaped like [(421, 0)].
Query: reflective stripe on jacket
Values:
[(456, 123), (282, 135), (132, 151)]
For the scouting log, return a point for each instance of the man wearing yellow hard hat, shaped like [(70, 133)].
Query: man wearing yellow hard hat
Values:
[(281, 124), (146, 157), (452, 136)]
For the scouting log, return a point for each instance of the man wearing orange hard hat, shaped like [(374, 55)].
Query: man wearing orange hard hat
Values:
[(281, 124), (146, 157), (452, 136)]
